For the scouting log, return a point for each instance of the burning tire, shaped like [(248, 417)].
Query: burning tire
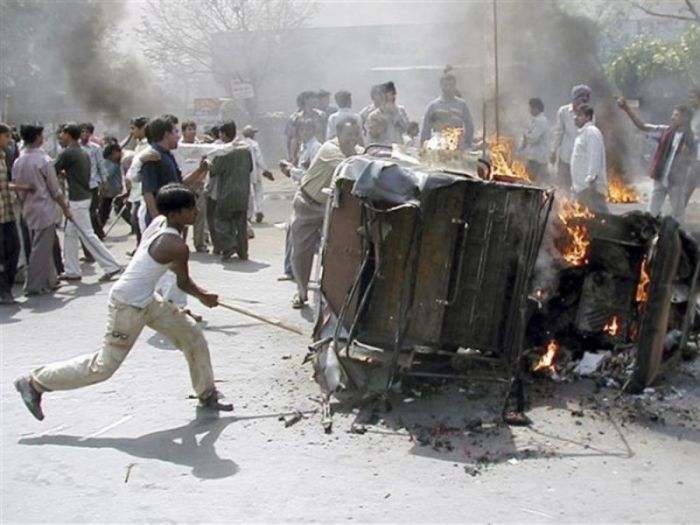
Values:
[(655, 317)]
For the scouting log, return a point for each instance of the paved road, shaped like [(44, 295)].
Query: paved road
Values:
[(134, 449)]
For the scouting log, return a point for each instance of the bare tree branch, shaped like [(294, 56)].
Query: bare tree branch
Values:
[(650, 12)]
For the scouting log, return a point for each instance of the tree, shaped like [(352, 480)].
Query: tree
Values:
[(686, 10), (647, 60), (182, 37)]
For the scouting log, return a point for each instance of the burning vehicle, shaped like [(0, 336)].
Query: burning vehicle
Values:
[(439, 265)]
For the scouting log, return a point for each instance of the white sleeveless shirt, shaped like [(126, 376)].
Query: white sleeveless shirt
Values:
[(137, 284)]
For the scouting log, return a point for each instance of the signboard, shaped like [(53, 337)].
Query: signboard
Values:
[(241, 90)]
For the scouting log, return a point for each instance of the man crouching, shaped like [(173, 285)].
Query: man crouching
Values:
[(133, 304)]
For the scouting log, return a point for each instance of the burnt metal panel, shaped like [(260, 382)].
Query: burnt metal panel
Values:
[(343, 252), (442, 227), (396, 230), (503, 221)]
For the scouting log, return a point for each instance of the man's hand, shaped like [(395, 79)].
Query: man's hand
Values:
[(68, 213), (268, 175), (285, 168), (204, 164), (622, 103), (62, 174), (150, 155), (210, 300)]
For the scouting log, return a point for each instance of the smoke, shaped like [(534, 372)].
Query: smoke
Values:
[(547, 51), (100, 79)]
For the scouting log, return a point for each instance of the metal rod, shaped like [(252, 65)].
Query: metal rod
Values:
[(269, 320), (495, 63), (119, 214)]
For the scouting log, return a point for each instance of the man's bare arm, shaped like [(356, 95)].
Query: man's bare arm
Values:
[(173, 251), (638, 122), (197, 175), (150, 201)]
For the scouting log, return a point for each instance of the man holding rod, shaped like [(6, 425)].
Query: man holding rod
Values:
[(133, 304)]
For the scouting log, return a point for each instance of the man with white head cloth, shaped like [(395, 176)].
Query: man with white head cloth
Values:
[(564, 134)]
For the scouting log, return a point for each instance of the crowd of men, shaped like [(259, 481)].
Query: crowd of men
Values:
[(164, 179), (90, 178)]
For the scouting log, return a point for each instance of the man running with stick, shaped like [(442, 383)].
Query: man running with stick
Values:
[(133, 304)]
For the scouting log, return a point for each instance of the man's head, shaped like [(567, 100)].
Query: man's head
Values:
[(178, 203), (448, 85), (377, 95), (309, 100), (324, 99), (162, 131), (227, 131), (681, 116), (580, 95), (5, 135), (113, 153), (389, 90), (249, 131), (536, 106), (694, 98), (86, 131), (32, 134), (584, 114), (413, 129), (189, 131), (343, 99), (68, 134), (376, 127), (348, 136), (307, 130), (137, 126)]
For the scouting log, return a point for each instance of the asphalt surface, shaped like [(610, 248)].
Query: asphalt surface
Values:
[(135, 449)]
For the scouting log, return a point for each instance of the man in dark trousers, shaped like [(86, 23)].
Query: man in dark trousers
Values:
[(232, 175)]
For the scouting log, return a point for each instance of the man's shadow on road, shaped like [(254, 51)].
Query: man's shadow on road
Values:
[(176, 445)]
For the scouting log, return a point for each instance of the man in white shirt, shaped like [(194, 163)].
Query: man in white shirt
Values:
[(694, 175), (589, 181), (344, 101), (535, 143), (672, 159), (259, 171), (564, 134)]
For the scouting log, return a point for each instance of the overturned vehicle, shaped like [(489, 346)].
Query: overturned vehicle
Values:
[(429, 272)]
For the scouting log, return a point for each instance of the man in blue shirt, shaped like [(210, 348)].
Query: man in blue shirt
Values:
[(163, 135)]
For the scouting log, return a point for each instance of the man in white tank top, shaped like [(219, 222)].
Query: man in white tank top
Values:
[(134, 304)]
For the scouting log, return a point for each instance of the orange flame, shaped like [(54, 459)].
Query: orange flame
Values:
[(618, 192), (451, 138), (502, 162), (612, 327), (576, 251), (643, 284), (546, 362)]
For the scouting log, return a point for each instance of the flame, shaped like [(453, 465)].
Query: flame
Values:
[(576, 250), (451, 138), (643, 284), (546, 362), (502, 162), (618, 192), (612, 327)]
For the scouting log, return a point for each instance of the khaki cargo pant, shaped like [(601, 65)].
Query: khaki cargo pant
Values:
[(124, 326)]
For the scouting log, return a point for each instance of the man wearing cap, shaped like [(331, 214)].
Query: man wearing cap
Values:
[(564, 134), (259, 171)]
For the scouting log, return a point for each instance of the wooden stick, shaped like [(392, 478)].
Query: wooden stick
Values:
[(264, 319)]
